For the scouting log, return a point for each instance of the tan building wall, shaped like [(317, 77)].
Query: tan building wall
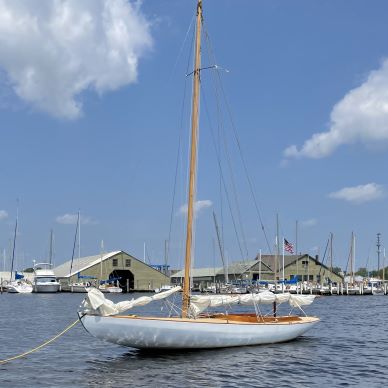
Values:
[(144, 276), (309, 270)]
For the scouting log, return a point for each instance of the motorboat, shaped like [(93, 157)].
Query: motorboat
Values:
[(19, 287), (110, 288), (44, 278)]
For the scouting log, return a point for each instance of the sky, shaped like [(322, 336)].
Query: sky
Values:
[(95, 114)]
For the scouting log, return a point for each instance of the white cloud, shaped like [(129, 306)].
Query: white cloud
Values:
[(52, 51), (71, 219), (308, 223), (361, 116), (3, 215), (360, 194), (198, 206)]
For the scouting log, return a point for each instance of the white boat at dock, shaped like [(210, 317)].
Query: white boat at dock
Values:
[(19, 287), (110, 288), (163, 288), (44, 278)]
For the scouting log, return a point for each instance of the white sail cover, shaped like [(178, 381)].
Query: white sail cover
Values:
[(199, 303), (95, 303)]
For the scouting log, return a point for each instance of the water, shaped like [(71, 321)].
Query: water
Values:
[(348, 347)]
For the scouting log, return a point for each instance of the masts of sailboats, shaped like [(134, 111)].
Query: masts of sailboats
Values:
[(193, 162), (352, 258), (221, 249), (378, 253), (14, 244), (74, 244), (276, 261), (79, 234), (51, 249), (331, 252), (101, 253), (296, 250)]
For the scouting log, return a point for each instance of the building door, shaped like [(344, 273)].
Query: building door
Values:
[(126, 279)]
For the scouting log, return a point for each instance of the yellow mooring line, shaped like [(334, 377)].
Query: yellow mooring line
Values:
[(40, 346)]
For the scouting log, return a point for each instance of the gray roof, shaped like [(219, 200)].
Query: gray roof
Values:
[(269, 260), (240, 267), (81, 264), (199, 272), (236, 268)]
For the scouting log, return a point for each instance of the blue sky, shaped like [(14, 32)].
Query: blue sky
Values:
[(90, 113)]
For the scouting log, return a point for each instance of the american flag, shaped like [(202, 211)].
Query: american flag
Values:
[(288, 246)]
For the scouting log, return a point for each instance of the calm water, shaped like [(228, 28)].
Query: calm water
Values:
[(348, 347)]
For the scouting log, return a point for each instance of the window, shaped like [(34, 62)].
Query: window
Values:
[(114, 262), (127, 262)]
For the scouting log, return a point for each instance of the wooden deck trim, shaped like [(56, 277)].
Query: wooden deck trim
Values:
[(285, 320)]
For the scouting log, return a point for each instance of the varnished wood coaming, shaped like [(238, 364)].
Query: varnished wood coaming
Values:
[(239, 319)]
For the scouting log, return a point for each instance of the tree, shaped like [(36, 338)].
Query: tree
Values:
[(362, 271), (337, 270)]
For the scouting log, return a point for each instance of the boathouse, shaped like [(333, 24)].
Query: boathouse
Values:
[(120, 267), (304, 267)]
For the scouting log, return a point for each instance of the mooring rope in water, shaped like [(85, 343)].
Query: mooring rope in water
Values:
[(40, 346)]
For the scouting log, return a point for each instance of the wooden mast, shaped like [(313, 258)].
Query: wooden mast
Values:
[(193, 162)]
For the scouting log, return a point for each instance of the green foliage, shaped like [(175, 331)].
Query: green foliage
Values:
[(362, 272), (337, 270)]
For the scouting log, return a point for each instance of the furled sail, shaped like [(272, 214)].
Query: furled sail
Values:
[(199, 303), (96, 304)]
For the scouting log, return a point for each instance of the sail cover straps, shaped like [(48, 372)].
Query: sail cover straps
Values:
[(199, 303), (96, 304)]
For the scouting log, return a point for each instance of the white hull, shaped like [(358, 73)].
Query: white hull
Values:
[(202, 333), (111, 289), (19, 289), (77, 288), (42, 288), (163, 288)]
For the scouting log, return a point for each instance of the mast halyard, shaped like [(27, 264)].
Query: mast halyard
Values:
[(193, 162)]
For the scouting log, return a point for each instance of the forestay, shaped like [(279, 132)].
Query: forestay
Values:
[(96, 304), (199, 303)]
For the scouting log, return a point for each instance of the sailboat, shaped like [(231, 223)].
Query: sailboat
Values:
[(352, 288), (193, 328), (76, 286), (19, 285)]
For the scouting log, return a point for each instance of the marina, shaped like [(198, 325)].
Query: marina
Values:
[(237, 285)]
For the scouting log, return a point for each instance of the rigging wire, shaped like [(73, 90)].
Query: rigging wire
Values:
[(222, 178), (324, 255), (228, 158), (180, 134), (240, 151), (182, 47)]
